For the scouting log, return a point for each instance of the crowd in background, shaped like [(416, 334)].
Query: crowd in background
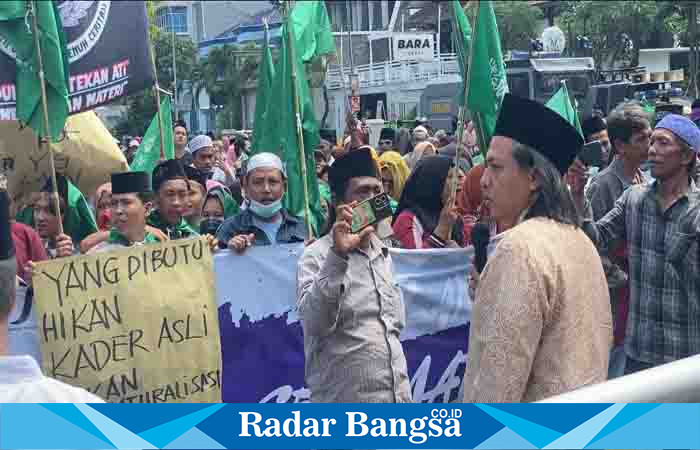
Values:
[(529, 188)]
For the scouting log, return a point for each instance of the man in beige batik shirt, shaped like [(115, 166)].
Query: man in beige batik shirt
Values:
[(541, 320)]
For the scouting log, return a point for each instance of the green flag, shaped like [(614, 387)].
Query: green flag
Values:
[(462, 39), (16, 30), (148, 153), (487, 74), (561, 104), (278, 132), (265, 77)]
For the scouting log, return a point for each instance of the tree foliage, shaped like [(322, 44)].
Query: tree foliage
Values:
[(224, 74), (518, 23), (618, 29), (141, 107)]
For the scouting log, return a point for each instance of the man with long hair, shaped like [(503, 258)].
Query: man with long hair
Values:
[(541, 322)]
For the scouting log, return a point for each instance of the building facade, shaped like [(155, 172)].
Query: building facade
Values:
[(364, 33), (202, 21)]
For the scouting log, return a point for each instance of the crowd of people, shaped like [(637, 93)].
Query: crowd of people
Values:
[(594, 273)]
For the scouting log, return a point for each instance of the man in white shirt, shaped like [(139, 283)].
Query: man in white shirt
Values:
[(21, 380)]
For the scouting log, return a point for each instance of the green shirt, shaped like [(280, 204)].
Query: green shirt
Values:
[(181, 230)]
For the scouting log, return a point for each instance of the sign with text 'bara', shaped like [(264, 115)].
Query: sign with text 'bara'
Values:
[(133, 325), (414, 47)]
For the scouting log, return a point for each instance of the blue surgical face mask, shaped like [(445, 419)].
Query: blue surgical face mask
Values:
[(265, 211)]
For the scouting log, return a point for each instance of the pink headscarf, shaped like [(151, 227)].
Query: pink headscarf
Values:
[(211, 184)]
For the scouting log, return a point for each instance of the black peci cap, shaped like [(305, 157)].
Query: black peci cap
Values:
[(533, 124), (130, 182)]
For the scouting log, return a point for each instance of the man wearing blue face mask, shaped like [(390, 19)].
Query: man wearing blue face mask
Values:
[(264, 221)]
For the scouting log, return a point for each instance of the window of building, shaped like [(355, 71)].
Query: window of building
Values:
[(171, 19), (364, 15), (377, 22)]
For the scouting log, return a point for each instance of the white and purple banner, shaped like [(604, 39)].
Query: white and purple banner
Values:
[(261, 336)]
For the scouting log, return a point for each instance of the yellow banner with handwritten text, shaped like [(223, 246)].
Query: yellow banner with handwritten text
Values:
[(137, 324)]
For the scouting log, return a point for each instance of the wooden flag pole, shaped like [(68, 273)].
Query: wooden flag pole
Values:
[(297, 112), (44, 140), (460, 119)]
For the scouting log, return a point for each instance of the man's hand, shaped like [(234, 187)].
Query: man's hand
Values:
[(213, 242), (240, 243), (344, 240), (577, 176), (448, 217), (354, 131), (157, 232), (64, 246), (221, 164)]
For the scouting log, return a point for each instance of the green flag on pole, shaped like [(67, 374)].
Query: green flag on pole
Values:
[(16, 30), (265, 77), (561, 104), (277, 131), (148, 153), (462, 39), (486, 74)]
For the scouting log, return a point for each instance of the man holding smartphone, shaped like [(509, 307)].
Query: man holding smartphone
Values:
[(350, 305)]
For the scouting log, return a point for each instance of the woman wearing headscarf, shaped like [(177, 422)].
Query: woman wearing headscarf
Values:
[(425, 217), (394, 173), (103, 207), (218, 206), (470, 203)]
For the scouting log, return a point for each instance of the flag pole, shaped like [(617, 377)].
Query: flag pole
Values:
[(156, 90), (44, 140), (297, 109), (460, 119)]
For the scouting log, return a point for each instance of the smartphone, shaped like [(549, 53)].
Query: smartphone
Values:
[(592, 154), (370, 211)]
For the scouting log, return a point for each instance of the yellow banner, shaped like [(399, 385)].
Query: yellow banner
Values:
[(137, 324), (87, 155)]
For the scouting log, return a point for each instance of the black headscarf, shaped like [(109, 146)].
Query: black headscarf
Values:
[(422, 194)]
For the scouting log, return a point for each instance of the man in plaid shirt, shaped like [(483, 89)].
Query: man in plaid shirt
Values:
[(661, 223)]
